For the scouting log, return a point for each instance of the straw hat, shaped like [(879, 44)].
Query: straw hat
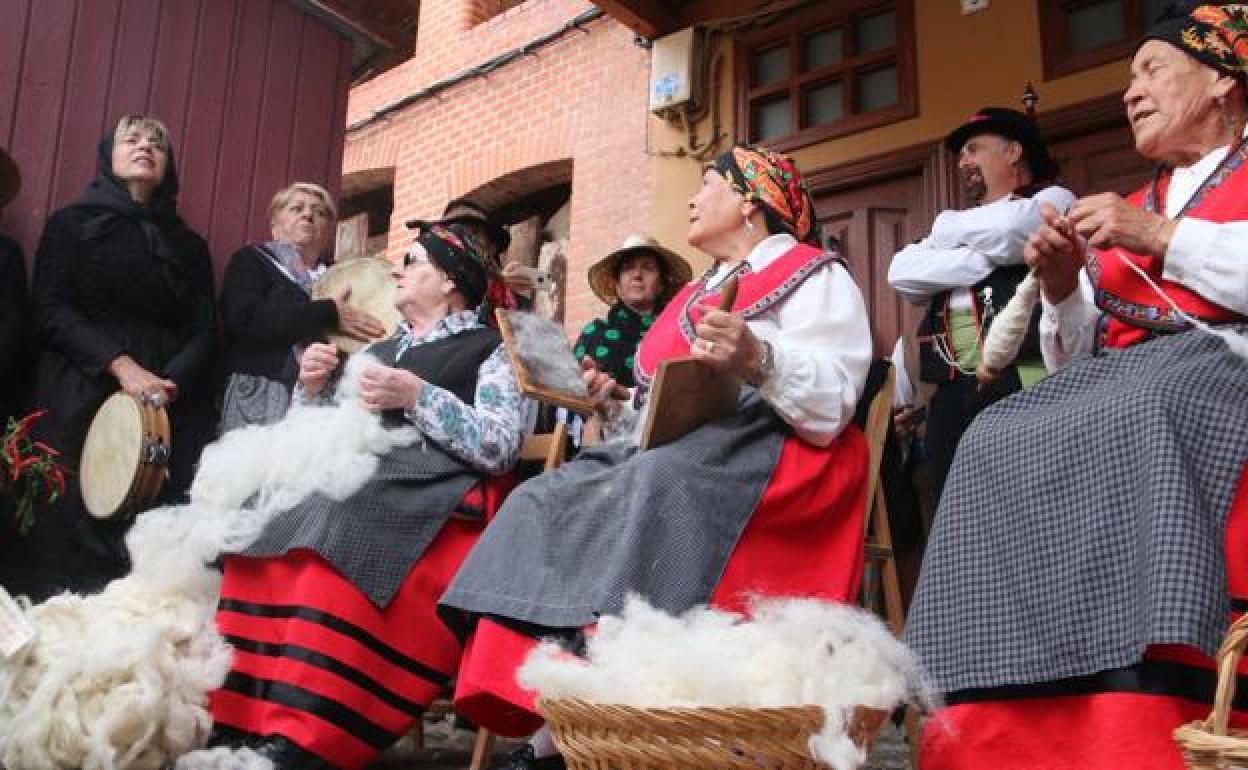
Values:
[(10, 178), (675, 269)]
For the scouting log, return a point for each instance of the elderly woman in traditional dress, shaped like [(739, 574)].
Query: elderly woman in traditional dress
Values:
[(768, 501), (267, 313), (123, 299), (332, 610), (1092, 543)]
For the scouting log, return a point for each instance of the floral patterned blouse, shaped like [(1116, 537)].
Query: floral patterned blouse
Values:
[(487, 434)]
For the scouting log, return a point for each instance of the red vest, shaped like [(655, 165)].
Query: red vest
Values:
[(673, 331), (1133, 311)]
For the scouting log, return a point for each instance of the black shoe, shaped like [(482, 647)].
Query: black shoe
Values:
[(524, 758)]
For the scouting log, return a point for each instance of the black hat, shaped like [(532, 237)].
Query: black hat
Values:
[(1011, 124), (463, 211), (454, 253)]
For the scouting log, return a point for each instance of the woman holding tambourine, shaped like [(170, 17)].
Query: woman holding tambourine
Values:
[(123, 300)]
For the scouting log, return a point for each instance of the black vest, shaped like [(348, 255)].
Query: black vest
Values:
[(451, 363), (988, 298)]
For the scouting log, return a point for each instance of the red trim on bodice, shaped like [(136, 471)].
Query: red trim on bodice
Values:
[(1134, 311), (757, 292)]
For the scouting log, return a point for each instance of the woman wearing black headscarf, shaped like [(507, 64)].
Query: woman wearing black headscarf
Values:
[(123, 298)]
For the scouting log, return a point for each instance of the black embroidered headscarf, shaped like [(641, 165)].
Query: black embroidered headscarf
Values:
[(454, 253), (1214, 34)]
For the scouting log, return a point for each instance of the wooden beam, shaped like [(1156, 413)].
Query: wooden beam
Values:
[(648, 18), (703, 11)]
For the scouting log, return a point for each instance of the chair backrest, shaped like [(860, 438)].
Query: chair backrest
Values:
[(875, 417), (548, 449)]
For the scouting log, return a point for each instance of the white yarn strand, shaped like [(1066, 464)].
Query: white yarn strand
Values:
[(1005, 337)]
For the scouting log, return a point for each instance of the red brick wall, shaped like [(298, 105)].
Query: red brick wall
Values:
[(582, 98)]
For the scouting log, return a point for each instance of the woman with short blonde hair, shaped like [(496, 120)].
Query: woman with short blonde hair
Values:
[(267, 312)]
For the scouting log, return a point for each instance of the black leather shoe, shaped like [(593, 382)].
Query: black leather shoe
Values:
[(523, 758)]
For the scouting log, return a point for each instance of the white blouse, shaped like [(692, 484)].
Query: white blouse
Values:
[(821, 339)]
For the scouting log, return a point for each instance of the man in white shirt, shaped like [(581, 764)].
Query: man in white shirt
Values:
[(966, 270)]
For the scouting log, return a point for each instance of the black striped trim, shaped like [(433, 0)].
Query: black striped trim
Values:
[(279, 749), (1150, 677), (341, 626), (1239, 605), (330, 664), (308, 702)]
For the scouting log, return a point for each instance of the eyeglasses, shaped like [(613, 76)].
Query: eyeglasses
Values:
[(415, 258)]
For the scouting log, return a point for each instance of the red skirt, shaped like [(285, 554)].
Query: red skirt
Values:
[(804, 539), (317, 664), (1116, 720)]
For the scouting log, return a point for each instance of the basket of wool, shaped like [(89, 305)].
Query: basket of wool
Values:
[(799, 683)]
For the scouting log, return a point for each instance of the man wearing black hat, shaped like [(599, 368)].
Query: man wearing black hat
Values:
[(966, 270)]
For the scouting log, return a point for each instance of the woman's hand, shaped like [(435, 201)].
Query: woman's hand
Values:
[(356, 323), (1106, 221), (318, 362), (384, 387), (141, 383), (604, 391), (726, 344), (1055, 254), (517, 278)]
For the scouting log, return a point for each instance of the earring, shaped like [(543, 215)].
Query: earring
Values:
[(749, 227)]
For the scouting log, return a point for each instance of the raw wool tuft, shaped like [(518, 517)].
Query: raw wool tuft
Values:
[(790, 652), (221, 758), (120, 679)]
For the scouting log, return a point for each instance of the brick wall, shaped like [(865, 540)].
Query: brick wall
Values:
[(583, 99)]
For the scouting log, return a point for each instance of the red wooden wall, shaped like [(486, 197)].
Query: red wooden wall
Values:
[(253, 92)]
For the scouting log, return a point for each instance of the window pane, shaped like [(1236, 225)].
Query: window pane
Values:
[(877, 89), (772, 119), (1095, 25), (876, 32), (824, 104), (771, 66), (822, 49)]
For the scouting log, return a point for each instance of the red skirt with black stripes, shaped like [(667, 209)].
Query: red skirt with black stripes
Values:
[(1111, 721), (317, 664)]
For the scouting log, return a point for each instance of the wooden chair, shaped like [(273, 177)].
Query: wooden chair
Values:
[(549, 449), (881, 589)]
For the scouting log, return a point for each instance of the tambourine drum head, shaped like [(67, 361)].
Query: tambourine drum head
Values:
[(111, 455), (372, 291)]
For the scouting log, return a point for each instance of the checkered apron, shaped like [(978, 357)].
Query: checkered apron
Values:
[(1083, 519)]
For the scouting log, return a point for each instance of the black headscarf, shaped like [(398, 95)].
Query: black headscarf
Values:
[(455, 254), (109, 199), (1213, 33)]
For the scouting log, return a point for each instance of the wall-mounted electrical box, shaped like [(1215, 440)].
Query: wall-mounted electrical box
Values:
[(674, 71)]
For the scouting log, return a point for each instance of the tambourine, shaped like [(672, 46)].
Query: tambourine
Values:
[(372, 291), (125, 459)]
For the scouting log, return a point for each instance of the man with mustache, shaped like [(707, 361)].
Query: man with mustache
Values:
[(968, 267)]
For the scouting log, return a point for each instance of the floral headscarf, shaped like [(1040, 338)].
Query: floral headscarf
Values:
[(1215, 34), (773, 181), (454, 253)]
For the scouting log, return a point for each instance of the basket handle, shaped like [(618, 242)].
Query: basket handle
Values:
[(1229, 654)]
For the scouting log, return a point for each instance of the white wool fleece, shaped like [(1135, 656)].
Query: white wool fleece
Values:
[(789, 652), (120, 679)]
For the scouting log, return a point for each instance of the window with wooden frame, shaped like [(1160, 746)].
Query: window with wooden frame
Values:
[(831, 70), (1079, 34)]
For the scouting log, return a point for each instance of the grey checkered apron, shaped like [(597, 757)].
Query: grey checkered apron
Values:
[(1083, 519), (375, 536), (574, 542)]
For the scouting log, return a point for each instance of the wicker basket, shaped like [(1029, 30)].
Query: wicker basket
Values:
[(1208, 744), (595, 736)]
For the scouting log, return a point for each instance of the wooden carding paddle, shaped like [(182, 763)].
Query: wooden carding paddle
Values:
[(687, 393)]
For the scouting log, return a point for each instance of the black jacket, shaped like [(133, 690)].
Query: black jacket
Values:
[(265, 313), (14, 329)]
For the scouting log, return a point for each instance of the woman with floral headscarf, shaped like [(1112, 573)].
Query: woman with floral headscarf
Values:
[(1092, 541), (709, 516), (332, 609)]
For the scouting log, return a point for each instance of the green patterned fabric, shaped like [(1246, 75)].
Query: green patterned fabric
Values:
[(612, 341)]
